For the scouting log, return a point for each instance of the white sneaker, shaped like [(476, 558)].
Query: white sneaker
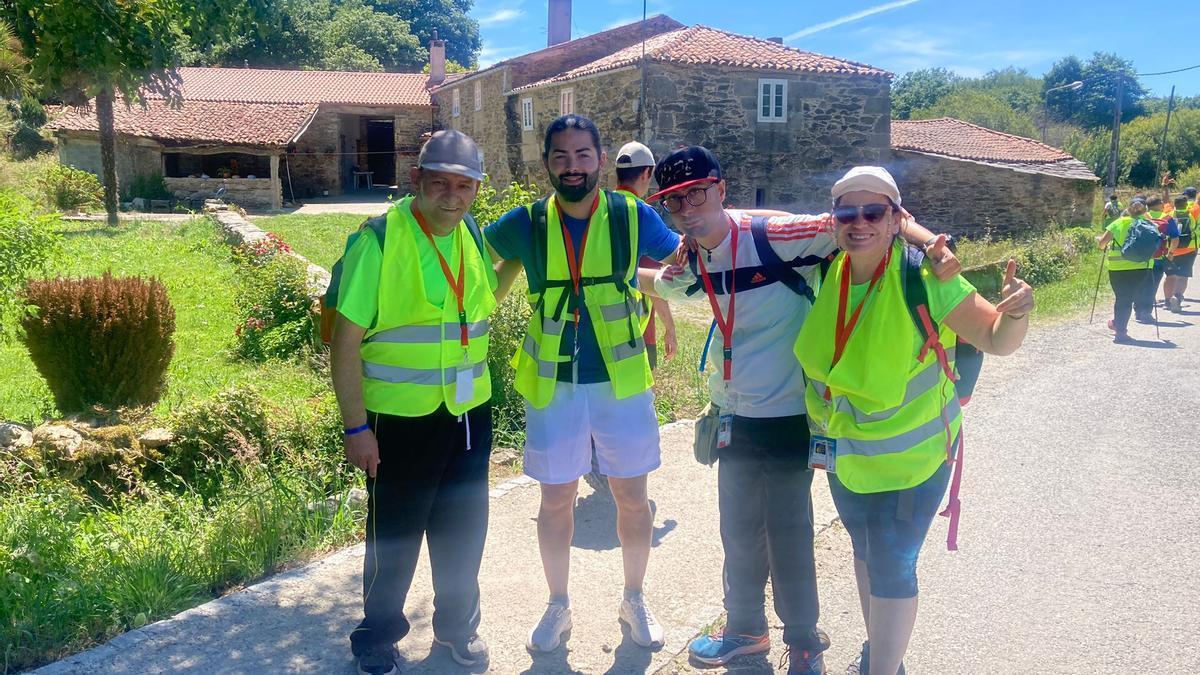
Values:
[(643, 627), (547, 635)]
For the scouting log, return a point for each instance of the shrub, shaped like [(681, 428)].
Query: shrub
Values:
[(231, 425), (146, 186), (1045, 260), (491, 203), (506, 335), (274, 300), (102, 341), (26, 141), (69, 189), (28, 242)]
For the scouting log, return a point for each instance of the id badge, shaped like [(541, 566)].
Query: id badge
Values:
[(724, 430), (822, 453), (464, 383)]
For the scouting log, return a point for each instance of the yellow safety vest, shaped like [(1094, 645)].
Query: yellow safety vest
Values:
[(411, 357), (892, 415), (1115, 262), (613, 306)]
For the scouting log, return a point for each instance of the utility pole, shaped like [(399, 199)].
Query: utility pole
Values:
[(1116, 138), (1162, 147)]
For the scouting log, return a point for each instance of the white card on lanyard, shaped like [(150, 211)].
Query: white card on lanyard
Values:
[(725, 420), (822, 453), (464, 382)]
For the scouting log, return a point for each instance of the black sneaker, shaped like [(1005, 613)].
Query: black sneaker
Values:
[(380, 660), (861, 662), (470, 652), (804, 661)]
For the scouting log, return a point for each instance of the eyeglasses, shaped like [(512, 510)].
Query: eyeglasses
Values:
[(695, 197), (872, 213)]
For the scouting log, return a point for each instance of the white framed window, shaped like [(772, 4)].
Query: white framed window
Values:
[(478, 95), (527, 114), (772, 100), (455, 108), (566, 101)]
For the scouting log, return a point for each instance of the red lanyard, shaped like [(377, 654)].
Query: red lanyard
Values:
[(843, 329), (724, 323), (457, 287), (575, 264)]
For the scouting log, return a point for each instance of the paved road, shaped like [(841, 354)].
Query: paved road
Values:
[(1078, 553)]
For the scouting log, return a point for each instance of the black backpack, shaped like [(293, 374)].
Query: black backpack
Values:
[(968, 359)]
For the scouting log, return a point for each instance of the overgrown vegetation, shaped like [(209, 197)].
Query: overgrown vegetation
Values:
[(68, 189), (28, 243), (276, 317)]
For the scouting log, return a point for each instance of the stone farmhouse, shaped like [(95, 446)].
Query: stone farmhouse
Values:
[(962, 178), (266, 135)]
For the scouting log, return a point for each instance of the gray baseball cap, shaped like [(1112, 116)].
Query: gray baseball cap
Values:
[(453, 152)]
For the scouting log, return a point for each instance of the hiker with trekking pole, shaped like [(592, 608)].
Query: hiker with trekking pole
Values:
[(1134, 241)]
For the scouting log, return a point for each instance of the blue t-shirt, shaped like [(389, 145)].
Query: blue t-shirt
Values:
[(512, 237)]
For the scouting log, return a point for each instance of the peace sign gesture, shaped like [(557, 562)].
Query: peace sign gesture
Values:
[(1016, 295)]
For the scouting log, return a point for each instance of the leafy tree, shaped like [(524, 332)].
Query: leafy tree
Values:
[(920, 89), (1092, 106), (351, 58), (384, 37), (451, 67), (1015, 86), (14, 67), (449, 18), (284, 34), (80, 49), (982, 108)]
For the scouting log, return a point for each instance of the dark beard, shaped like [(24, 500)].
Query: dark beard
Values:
[(571, 193)]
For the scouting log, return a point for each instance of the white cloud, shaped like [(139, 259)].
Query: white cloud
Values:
[(501, 16), (489, 53), (904, 49), (849, 18)]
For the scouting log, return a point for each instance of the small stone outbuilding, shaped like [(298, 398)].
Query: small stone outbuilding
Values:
[(783, 122), (965, 179), (264, 135)]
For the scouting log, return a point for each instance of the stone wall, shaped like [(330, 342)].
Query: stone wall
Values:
[(833, 122), (410, 123), (314, 164), (245, 192), (962, 197), (135, 157)]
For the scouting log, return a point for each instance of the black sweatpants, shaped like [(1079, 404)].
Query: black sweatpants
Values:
[(1130, 291), (766, 528), (428, 485)]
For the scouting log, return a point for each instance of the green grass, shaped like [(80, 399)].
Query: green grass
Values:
[(200, 278), (321, 239), (1073, 295)]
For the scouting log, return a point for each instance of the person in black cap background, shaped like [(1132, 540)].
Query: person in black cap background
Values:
[(422, 440), (762, 474)]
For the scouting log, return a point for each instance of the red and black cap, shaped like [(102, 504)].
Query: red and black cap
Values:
[(683, 168)]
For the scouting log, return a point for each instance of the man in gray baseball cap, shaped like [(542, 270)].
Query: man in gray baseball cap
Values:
[(409, 362)]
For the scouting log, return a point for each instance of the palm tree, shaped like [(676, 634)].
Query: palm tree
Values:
[(14, 67)]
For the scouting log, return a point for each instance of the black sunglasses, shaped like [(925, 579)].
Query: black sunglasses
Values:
[(872, 213)]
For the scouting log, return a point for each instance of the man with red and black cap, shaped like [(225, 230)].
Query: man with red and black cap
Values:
[(759, 274), (409, 364)]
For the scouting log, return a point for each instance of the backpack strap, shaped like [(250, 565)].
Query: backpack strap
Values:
[(618, 220), (916, 297), (537, 217), (477, 235), (785, 273)]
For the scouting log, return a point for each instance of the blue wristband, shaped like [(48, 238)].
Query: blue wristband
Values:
[(357, 430)]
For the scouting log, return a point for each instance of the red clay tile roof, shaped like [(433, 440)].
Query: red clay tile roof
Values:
[(260, 124), (701, 45), (956, 138), (251, 85)]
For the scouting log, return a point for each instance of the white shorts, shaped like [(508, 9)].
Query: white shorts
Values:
[(559, 437)]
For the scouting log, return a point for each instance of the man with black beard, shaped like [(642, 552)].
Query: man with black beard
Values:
[(583, 369)]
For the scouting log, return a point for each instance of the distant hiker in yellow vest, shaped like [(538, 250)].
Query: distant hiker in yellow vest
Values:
[(583, 369), (1180, 259), (884, 411), (409, 362)]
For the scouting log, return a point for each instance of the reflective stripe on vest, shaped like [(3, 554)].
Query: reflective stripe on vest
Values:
[(419, 334), (398, 375), (918, 386)]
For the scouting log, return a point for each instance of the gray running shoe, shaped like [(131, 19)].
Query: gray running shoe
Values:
[(548, 634), (643, 627), (470, 652)]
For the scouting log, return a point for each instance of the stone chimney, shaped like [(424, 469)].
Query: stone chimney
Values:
[(437, 59), (558, 25), (776, 40)]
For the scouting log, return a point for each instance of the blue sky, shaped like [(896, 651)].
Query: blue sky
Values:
[(897, 35)]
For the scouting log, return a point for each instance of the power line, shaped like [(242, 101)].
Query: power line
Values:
[(1167, 72)]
